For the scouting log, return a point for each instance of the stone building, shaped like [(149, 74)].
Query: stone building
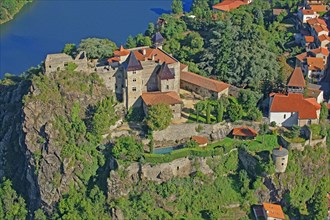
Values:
[(144, 76), (208, 88), (59, 61), (280, 157)]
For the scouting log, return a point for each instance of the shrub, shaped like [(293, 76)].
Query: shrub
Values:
[(159, 117), (273, 124)]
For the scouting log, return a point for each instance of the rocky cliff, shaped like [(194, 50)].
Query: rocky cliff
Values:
[(30, 153)]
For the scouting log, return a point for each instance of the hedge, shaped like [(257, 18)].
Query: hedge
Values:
[(185, 152)]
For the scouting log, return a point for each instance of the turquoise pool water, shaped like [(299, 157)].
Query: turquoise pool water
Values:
[(166, 150)]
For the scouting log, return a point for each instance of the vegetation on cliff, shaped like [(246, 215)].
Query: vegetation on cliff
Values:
[(8, 8)]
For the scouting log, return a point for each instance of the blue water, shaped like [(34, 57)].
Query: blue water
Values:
[(46, 25), (166, 150)]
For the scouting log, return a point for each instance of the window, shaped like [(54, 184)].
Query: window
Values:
[(283, 158), (167, 87), (134, 72), (134, 79), (284, 116), (134, 89), (50, 66)]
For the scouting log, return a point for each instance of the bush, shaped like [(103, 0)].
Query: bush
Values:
[(127, 148), (135, 114), (273, 124)]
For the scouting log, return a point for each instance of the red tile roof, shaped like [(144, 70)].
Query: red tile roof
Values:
[(154, 98), (155, 54), (320, 28), (319, 8), (200, 140), (306, 108), (297, 78), (228, 5), (307, 12), (210, 84), (320, 50), (315, 63), (316, 21), (324, 37), (301, 56), (245, 132), (273, 211), (309, 39), (121, 52)]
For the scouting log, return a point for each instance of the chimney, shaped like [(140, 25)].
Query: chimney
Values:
[(281, 148), (144, 52), (153, 57)]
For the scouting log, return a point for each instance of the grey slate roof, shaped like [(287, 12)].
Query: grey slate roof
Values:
[(132, 63), (165, 72), (157, 38), (280, 152)]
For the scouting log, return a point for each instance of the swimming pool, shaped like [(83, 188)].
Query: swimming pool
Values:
[(166, 150)]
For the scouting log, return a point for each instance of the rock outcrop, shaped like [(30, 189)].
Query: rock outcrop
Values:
[(122, 179)]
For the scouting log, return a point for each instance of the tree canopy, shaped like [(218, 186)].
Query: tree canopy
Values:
[(159, 116), (97, 48)]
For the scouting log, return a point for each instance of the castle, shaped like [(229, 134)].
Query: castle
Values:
[(145, 76)]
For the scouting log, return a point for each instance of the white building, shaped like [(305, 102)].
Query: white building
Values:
[(293, 109)]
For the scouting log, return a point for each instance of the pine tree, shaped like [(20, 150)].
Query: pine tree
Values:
[(220, 111), (177, 7)]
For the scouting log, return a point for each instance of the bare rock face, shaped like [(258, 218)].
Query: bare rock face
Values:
[(117, 214)]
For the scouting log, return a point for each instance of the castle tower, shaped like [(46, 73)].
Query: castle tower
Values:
[(280, 157), (166, 78), (133, 81), (157, 40)]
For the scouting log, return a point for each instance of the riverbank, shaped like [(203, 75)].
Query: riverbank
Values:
[(9, 12)]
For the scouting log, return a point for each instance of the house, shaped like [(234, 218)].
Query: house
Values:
[(308, 42), (244, 132), (170, 98), (323, 41), (318, 8), (228, 5), (201, 141), (315, 68), (314, 91), (272, 211), (59, 61), (296, 82), (208, 88), (293, 109), (305, 14)]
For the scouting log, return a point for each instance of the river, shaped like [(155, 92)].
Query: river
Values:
[(45, 26)]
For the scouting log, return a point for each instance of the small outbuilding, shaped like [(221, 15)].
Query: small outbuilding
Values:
[(201, 141), (244, 132)]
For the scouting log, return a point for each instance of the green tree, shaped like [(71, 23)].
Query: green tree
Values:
[(127, 148), (199, 108), (234, 111), (208, 112), (104, 116), (263, 129), (39, 215), (318, 204), (70, 49), (97, 48), (151, 29), (12, 206), (177, 7), (220, 110), (159, 117), (131, 42), (324, 112)]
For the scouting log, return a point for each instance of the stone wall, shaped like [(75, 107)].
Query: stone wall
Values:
[(301, 146)]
